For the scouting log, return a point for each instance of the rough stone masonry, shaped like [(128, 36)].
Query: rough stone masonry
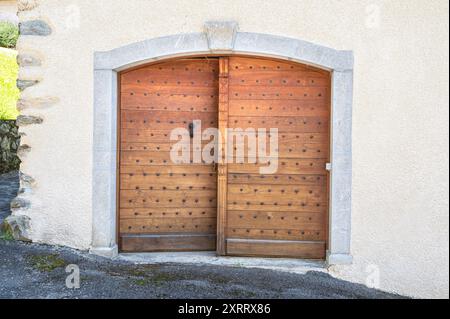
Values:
[(9, 146)]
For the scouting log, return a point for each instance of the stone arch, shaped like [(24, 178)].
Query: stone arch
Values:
[(221, 38)]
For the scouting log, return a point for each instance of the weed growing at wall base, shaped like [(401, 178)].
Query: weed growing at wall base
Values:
[(9, 33)]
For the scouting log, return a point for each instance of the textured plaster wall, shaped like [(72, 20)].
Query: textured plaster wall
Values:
[(8, 11), (400, 118)]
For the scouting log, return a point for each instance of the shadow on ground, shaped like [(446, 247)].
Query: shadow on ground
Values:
[(38, 271)]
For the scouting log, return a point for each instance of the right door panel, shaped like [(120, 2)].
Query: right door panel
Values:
[(284, 214)]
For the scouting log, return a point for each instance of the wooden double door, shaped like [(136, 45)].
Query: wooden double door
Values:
[(228, 205)]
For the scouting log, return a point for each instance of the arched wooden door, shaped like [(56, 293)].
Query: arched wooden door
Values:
[(284, 213), (169, 207), (166, 206)]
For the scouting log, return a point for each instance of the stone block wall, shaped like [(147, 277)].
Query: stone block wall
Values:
[(30, 74), (9, 146), (17, 132)]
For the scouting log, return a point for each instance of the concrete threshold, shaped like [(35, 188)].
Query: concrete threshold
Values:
[(299, 266)]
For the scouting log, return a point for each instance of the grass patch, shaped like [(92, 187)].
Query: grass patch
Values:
[(162, 278), (142, 282), (6, 235), (137, 273), (46, 263), (6, 232), (9, 93), (9, 33), (153, 279), (219, 280)]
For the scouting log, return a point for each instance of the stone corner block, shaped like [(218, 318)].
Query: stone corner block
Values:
[(27, 183), (37, 103), (339, 259), (17, 226), (107, 252), (35, 27), (23, 120), (27, 180), (24, 84), (28, 59), (23, 149), (19, 203), (221, 35), (27, 5)]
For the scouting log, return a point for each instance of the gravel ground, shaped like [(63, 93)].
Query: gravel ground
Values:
[(9, 185), (38, 271)]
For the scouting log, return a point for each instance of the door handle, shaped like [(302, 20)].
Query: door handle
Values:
[(191, 129)]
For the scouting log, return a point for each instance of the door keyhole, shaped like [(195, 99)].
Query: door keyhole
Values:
[(191, 130)]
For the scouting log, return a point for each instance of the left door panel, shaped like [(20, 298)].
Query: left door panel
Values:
[(165, 205)]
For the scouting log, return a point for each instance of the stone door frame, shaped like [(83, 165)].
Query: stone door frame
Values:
[(220, 38)]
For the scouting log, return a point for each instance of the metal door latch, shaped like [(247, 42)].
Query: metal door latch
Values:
[(328, 167), (191, 130)]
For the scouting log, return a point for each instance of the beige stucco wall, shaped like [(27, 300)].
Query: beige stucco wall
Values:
[(8, 6), (8, 11), (400, 119)]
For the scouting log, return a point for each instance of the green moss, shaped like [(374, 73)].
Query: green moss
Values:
[(6, 234), (46, 263), (9, 33), (9, 93), (161, 278), (141, 282), (153, 279), (137, 273)]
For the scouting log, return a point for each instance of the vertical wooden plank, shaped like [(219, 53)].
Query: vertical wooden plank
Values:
[(268, 213), (222, 165), (168, 206)]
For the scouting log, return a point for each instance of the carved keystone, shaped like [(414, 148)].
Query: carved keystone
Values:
[(221, 35)]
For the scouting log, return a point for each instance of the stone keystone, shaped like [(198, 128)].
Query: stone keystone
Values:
[(221, 35)]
